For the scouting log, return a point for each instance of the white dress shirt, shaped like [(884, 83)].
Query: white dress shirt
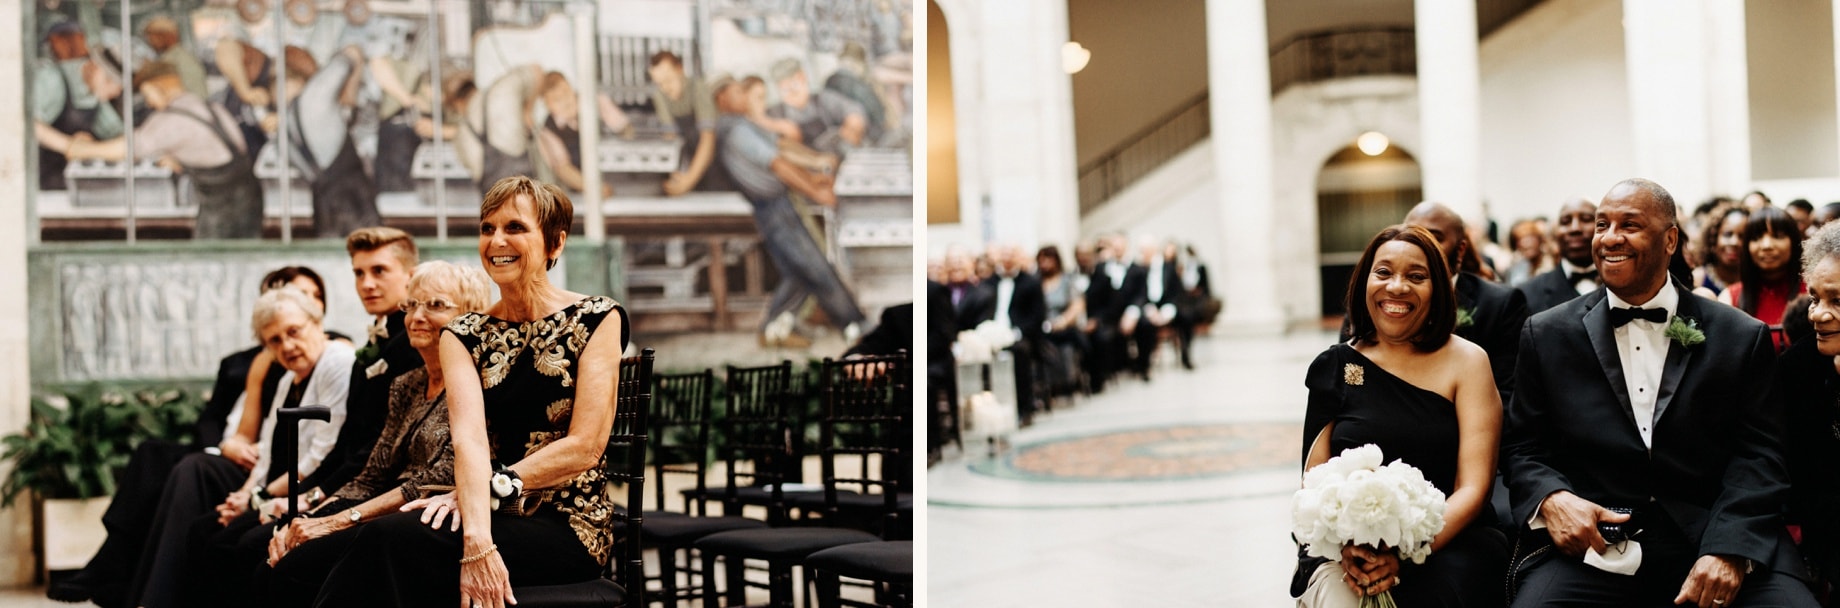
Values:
[(1583, 286), (1642, 346), (1006, 289)]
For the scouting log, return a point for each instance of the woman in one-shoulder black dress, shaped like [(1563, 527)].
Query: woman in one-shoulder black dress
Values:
[(1445, 421)]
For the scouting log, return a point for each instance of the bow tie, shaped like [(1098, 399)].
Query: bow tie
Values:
[(379, 330), (1581, 276), (1622, 316)]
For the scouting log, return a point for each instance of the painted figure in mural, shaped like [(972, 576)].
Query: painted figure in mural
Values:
[(824, 120), (752, 157), (64, 103), (851, 81), (198, 138), (250, 74), (344, 195), (495, 140), (82, 320), (162, 33), (403, 77), (687, 104)]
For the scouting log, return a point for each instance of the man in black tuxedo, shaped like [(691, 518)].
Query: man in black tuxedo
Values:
[(1644, 397), (1160, 306), (1116, 285), (1488, 313), (1577, 272), (1017, 302)]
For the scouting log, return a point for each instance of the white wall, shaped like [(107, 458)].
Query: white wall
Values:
[(1791, 62), (1555, 108)]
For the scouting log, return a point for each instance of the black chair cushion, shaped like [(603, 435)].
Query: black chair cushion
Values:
[(597, 593), (780, 544), (847, 501), (753, 495), (677, 529), (889, 561)]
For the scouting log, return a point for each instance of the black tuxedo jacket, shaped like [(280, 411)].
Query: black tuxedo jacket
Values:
[(1028, 305), (1717, 466), (1549, 289), (977, 304), (1107, 303), (366, 405), (1496, 315)]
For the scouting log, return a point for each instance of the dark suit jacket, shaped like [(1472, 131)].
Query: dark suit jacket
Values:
[(1107, 303), (1497, 313), (977, 304), (366, 406), (1549, 289), (1717, 465), (893, 334), (232, 376), (941, 330), (1028, 305)]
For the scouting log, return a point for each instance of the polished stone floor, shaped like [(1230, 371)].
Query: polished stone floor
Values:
[(1172, 492)]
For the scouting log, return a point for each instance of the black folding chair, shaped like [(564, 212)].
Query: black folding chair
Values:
[(624, 462), (680, 446), (867, 402)]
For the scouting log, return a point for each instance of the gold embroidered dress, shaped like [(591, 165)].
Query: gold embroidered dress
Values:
[(528, 373)]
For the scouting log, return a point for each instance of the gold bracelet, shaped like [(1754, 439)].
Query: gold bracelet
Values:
[(482, 555)]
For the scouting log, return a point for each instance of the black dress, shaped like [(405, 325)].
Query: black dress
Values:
[(1810, 389), (527, 370), (1370, 405)]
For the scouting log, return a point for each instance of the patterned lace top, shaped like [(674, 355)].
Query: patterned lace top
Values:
[(414, 449), (527, 370)]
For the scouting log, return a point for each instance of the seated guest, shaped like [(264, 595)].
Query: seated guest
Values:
[(1723, 244), (288, 324), (222, 425), (1576, 274), (1803, 212), (1770, 267), (532, 380), (1795, 324), (1066, 311), (1115, 286), (1809, 386), (412, 453), (1822, 216), (1425, 398), (1162, 293), (1017, 303), (1488, 313), (1688, 445)]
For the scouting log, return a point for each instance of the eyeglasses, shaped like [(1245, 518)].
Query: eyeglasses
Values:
[(434, 307)]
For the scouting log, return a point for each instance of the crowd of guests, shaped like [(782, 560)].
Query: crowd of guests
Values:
[(1069, 325), (455, 408), (1628, 405)]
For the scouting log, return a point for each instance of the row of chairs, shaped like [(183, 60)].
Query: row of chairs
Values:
[(858, 527)]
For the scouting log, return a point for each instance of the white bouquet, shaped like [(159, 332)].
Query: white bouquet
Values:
[(1353, 500)]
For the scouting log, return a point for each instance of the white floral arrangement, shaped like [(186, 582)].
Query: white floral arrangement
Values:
[(1353, 500), (980, 345)]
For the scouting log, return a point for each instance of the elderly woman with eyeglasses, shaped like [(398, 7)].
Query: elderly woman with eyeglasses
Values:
[(413, 457), (531, 387)]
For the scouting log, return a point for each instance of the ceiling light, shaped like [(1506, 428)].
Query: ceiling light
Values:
[(1074, 57), (1372, 143)]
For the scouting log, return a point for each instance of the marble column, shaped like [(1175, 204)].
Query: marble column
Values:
[(1014, 105), (1239, 103), (1688, 95), (1449, 102), (16, 228)]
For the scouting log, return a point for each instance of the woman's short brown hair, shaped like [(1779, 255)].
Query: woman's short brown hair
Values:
[(554, 211), (1440, 320)]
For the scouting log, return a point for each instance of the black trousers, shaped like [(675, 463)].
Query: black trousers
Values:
[(129, 517), (199, 483), (1555, 579), (398, 561)]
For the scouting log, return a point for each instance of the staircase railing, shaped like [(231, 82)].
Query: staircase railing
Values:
[(1143, 152)]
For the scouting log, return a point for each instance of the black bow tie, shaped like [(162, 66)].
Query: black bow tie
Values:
[(1582, 275), (1622, 316)]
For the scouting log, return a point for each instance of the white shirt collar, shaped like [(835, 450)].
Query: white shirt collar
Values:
[(1668, 298)]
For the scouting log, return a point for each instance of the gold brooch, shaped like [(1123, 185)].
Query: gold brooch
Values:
[(1354, 374)]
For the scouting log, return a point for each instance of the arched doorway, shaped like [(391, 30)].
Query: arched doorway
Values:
[(1357, 194), (941, 122)]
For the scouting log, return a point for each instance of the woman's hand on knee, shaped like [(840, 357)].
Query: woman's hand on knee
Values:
[(437, 509)]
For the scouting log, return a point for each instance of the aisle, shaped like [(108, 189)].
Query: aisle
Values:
[(1174, 492)]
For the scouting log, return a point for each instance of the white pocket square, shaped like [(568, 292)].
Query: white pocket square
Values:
[(377, 369)]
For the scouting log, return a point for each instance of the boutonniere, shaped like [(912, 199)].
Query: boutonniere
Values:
[(1354, 374), (381, 367), (1685, 331), (1466, 317), (369, 353)]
